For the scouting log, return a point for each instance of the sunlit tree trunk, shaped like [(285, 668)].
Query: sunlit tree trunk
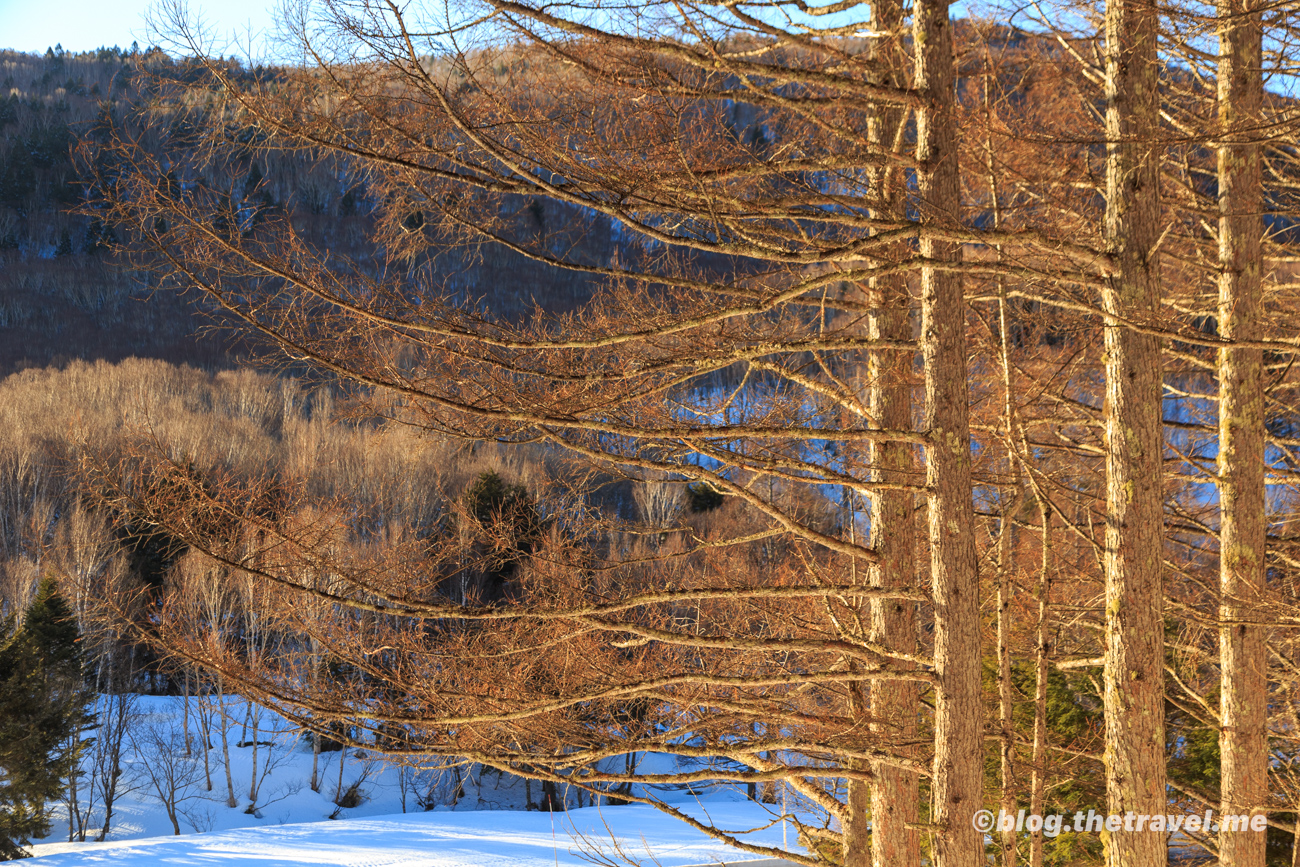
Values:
[(1038, 778), (957, 779), (892, 796), (894, 791), (1243, 699), (1006, 530), (1134, 625), (252, 785)]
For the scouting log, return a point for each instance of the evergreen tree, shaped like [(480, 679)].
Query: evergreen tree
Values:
[(64, 247), (43, 704), (506, 524)]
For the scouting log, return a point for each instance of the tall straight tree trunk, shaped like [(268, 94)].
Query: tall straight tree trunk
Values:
[(894, 792), (204, 709), (891, 798), (185, 717), (74, 806), (338, 790), (1038, 779), (1134, 655), (315, 761), (1242, 741), (1007, 529), (957, 778), (1006, 689)]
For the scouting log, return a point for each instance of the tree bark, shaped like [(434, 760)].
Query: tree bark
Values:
[(315, 761), (1006, 689), (1134, 654), (1242, 740), (231, 800), (1007, 526), (957, 784), (338, 790), (892, 796), (204, 710), (252, 785), (1038, 779), (894, 792)]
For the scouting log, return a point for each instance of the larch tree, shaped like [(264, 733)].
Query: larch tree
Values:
[(888, 813), (957, 778), (722, 346), (1243, 523), (1134, 442), (783, 193)]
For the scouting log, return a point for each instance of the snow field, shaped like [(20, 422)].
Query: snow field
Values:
[(289, 824)]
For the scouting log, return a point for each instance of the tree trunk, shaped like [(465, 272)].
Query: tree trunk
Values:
[(892, 795), (231, 800), (315, 761), (74, 807), (1038, 779), (894, 792), (338, 791), (185, 716), (1242, 741), (1006, 689), (1134, 627), (252, 786), (205, 726), (957, 780), (1007, 527)]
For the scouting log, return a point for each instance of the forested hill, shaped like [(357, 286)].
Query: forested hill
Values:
[(63, 296)]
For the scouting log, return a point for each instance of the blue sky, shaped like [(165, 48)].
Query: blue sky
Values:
[(82, 25)]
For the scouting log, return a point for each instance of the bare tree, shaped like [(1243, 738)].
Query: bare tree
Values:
[(692, 360), (117, 717), (173, 777), (1135, 662), (891, 800), (1243, 525), (207, 598), (957, 777), (750, 333)]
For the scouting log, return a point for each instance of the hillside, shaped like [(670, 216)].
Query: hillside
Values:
[(62, 296)]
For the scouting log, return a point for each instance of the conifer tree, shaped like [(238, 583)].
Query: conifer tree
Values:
[(43, 704)]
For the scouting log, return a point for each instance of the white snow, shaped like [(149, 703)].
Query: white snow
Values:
[(292, 824), (494, 838)]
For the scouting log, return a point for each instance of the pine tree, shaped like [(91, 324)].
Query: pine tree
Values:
[(43, 704)]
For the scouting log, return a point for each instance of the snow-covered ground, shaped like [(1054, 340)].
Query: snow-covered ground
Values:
[(292, 825), (437, 839)]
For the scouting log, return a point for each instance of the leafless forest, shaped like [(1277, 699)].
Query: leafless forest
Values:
[(895, 413)]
